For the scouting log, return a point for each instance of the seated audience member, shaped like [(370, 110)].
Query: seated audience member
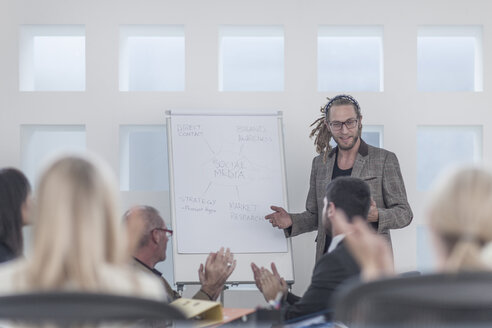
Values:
[(78, 243), (352, 196), (460, 220), (151, 249), (15, 193)]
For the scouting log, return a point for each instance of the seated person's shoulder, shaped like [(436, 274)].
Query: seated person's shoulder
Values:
[(342, 252), (11, 277), (151, 286), (339, 259), (133, 282)]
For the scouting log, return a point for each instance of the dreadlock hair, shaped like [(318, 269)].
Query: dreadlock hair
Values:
[(321, 133)]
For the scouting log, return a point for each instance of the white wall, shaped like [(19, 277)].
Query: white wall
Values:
[(102, 108)]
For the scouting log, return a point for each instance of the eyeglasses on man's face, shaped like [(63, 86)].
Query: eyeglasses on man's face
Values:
[(168, 232), (349, 124)]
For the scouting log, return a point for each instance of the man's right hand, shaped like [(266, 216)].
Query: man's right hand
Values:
[(280, 218)]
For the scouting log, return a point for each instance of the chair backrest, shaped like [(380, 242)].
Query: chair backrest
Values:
[(433, 300), (74, 307)]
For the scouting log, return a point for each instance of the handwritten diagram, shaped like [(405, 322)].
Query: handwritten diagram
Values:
[(227, 172)]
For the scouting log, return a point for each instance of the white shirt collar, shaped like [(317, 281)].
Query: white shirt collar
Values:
[(335, 241)]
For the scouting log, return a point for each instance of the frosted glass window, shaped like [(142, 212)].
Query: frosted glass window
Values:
[(143, 158), (439, 147), (371, 134), (450, 58), (52, 58), (40, 143), (152, 58), (251, 58), (350, 58)]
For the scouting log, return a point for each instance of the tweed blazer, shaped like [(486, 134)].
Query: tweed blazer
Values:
[(376, 166)]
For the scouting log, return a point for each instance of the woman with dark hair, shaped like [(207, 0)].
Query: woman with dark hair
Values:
[(15, 191)]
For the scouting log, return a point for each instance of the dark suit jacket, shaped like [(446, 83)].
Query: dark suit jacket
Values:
[(376, 166), (330, 271)]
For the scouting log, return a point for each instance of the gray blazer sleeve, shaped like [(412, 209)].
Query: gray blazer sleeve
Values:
[(397, 213), (308, 220)]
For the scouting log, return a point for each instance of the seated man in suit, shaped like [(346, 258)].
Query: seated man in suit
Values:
[(149, 230), (352, 195)]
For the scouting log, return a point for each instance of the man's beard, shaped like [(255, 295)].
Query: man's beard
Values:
[(355, 139), (342, 147)]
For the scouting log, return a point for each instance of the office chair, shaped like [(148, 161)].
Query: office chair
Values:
[(434, 300), (65, 308)]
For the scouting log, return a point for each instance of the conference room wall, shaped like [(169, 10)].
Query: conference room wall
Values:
[(102, 108)]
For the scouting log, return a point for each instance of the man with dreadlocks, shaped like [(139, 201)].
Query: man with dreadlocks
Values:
[(342, 121)]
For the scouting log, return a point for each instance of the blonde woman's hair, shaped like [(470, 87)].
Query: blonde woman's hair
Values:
[(76, 228), (460, 213)]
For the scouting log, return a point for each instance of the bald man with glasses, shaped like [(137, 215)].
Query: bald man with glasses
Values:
[(149, 236)]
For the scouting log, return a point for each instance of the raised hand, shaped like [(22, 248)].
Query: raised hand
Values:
[(370, 250), (256, 275), (272, 285), (213, 275)]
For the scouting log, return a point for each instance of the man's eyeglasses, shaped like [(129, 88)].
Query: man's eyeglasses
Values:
[(168, 232), (349, 124)]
